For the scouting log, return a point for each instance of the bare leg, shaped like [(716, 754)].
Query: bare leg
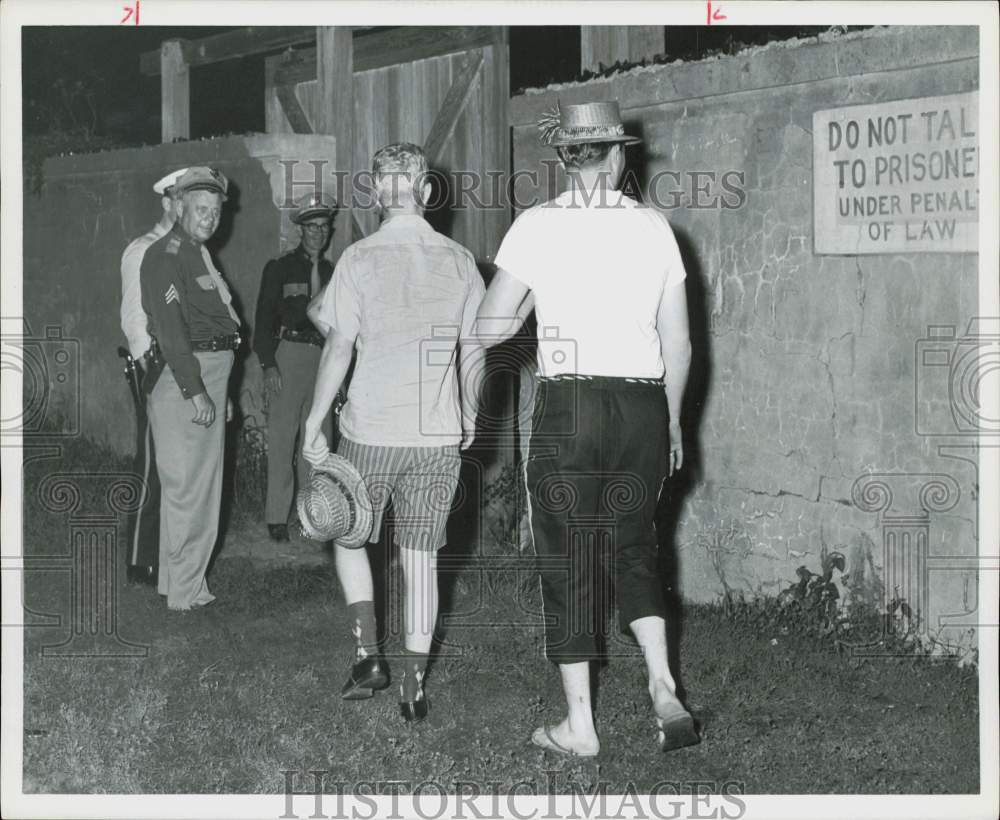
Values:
[(651, 633), (675, 723), (355, 574), (576, 733)]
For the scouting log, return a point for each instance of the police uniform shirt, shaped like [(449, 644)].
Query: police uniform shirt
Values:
[(180, 296), (283, 299)]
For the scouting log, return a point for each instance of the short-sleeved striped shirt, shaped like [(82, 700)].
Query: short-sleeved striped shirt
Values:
[(405, 294)]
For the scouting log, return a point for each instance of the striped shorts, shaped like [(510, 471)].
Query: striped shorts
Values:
[(421, 483)]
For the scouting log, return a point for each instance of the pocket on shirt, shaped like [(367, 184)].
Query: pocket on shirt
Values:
[(295, 289), (205, 282)]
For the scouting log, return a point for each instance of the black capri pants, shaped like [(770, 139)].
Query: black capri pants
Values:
[(596, 464)]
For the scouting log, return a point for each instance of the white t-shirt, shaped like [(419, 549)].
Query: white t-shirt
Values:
[(598, 270)]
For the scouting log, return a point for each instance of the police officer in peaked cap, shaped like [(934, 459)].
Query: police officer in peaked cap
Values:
[(289, 346), (195, 333)]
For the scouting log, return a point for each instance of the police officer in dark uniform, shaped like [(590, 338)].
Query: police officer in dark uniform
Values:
[(196, 331), (289, 346)]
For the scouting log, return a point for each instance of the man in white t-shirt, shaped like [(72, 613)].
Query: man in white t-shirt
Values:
[(607, 283)]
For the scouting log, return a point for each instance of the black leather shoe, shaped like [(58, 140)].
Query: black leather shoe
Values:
[(367, 675), (139, 574), (413, 711), (278, 532)]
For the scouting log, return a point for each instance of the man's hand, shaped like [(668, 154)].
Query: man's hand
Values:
[(204, 410), (676, 458), (272, 383), (314, 444), (229, 410)]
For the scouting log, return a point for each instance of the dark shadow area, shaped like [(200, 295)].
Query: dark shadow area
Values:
[(682, 484), (440, 212)]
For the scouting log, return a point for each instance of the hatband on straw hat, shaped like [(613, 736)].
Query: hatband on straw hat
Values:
[(586, 122)]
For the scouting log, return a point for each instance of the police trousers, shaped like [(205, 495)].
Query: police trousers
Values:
[(189, 459), (597, 460), (286, 417)]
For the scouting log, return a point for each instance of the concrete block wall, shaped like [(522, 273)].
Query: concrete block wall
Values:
[(805, 370), (91, 206)]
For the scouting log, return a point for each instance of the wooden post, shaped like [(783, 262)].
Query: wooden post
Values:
[(175, 91), (335, 115), (611, 44)]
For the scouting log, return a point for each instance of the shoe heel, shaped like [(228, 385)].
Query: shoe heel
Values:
[(413, 711)]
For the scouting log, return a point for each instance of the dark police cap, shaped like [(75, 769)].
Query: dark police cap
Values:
[(312, 206)]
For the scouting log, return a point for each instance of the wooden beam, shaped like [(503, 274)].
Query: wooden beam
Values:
[(381, 49), (608, 45), (293, 109), (452, 107), (175, 92), (404, 44), (231, 45), (374, 47), (335, 115)]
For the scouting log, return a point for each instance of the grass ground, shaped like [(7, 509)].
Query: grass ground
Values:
[(227, 698)]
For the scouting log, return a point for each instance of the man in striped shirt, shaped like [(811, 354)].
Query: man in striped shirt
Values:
[(404, 298)]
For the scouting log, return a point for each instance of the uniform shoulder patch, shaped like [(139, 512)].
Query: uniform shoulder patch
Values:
[(173, 246)]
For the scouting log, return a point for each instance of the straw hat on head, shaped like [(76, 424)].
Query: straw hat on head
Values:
[(335, 504), (586, 122)]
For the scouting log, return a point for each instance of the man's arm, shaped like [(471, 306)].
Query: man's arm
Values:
[(313, 312), (333, 364), (504, 309), (675, 348), (268, 299), (471, 358)]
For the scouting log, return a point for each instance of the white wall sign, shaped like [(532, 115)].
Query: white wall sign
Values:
[(897, 177)]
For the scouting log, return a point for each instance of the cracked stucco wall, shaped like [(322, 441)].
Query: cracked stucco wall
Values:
[(92, 205), (805, 365)]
